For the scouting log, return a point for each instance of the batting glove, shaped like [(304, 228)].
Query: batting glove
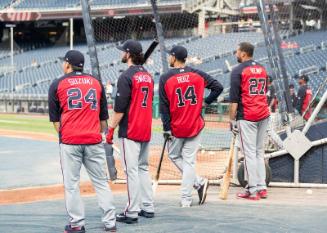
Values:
[(167, 135), (110, 135), (233, 127)]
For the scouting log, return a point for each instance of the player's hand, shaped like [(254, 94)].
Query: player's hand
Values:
[(167, 135), (110, 135), (233, 127)]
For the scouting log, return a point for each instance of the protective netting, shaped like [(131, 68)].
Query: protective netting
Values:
[(211, 37), (178, 28)]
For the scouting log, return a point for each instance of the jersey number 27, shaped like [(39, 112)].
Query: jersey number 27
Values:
[(255, 88)]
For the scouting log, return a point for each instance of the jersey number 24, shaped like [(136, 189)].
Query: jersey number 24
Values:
[(75, 98)]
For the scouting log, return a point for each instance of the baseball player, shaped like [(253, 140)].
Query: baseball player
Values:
[(272, 95), (304, 97), (249, 116), (78, 110), (133, 114), (293, 95), (181, 92)]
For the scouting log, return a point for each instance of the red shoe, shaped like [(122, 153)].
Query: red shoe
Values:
[(263, 193), (250, 196)]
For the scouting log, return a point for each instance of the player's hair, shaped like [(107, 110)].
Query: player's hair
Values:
[(75, 68), (247, 48), (181, 60), (137, 59)]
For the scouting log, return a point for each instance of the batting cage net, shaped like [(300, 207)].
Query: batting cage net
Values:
[(289, 39), (178, 28)]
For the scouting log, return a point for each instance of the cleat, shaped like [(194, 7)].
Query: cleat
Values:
[(202, 191), (124, 219), (263, 193), (186, 205), (145, 214), (111, 229), (70, 229), (249, 196)]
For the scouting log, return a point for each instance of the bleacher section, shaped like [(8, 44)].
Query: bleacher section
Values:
[(208, 54), (59, 4), (4, 3), (53, 4)]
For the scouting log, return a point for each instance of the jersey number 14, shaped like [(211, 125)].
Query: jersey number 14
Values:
[(189, 95)]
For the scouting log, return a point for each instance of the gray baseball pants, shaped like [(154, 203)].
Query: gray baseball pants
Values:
[(252, 136), (94, 160), (135, 157), (182, 152)]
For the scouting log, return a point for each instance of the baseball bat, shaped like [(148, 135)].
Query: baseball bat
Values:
[(150, 50), (227, 176), (110, 161), (156, 178)]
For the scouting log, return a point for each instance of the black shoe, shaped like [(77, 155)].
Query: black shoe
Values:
[(110, 229), (202, 191), (123, 218), (145, 214), (70, 229)]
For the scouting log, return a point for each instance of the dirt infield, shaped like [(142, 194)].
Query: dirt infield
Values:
[(53, 192), (28, 135)]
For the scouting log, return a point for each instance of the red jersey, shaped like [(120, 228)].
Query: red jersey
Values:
[(181, 94), (305, 96), (79, 103), (134, 98), (249, 90)]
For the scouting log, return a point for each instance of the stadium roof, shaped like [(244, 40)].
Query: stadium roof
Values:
[(18, 15)]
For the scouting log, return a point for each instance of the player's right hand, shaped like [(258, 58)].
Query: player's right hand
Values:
[(110, 135), (167, 135), (233, 127)]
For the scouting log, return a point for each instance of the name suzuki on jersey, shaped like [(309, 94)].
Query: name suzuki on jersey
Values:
[(76, 81)]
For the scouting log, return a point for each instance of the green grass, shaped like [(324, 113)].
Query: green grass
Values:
[(38, 124), (27, 123)]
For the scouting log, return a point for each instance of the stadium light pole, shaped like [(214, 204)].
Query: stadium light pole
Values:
[(11, 26), (71, 25)]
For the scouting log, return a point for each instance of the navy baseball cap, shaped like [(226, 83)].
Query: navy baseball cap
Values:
[(75, 58), (179, 52), (131, 46), (305, 78)]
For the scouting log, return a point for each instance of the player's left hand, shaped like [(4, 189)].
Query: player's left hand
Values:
[(167, 135), (233, 127), (110, 135)]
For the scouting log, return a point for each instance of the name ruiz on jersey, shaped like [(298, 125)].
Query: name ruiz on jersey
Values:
[(75, 81), (183, 79)]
